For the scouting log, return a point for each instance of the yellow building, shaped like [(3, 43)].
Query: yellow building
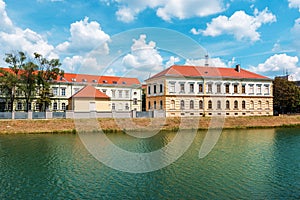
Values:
[(209, 91)]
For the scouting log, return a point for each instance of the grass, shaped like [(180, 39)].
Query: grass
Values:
[(109, 125)]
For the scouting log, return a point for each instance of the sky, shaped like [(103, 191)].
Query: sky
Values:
[(139, 38)]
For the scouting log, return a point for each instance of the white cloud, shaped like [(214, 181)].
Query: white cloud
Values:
[(212, 62), (85, 36), (167, 9), (294, 4), (240, 25), (81, 64), (172, 60), (13, 38), (295, 33), (143, 56), (277, 64)]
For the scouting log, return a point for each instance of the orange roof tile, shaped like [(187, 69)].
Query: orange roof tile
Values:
[(200, 71), (90, 92)]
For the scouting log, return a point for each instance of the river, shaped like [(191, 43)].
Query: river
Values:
[(244, 164)]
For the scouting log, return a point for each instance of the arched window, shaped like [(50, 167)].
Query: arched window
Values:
[(251, 105), (209, 104), (236, 104), (227, 105), (161, 104), (200, 104), (173, 104), (149, 105), (191, 104), (154, 104), (218, 104), (181, 104), (259, 105), (243, 104)]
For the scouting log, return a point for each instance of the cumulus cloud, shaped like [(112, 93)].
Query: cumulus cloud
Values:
[(13, 38), (172, 60), (143, 57), (85, 36), (212, 62), (167, 9), (277, 64), (77, 64), (240, 25), (294, 4)]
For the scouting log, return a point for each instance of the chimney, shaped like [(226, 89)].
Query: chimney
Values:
[(238, 68)]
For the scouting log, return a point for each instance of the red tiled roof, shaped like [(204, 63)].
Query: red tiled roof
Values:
[(90, 92), (200, 71), (79, 78)]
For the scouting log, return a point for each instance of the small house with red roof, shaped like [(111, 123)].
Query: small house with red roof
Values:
[(209, 91), (89, 99)]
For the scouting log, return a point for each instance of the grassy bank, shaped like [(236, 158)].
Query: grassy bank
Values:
[(115, 125)]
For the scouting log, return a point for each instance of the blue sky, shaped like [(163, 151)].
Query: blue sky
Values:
[(139, 37)]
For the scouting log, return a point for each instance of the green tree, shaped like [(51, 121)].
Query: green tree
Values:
[(286, 96), (48, 70), (10, 78)]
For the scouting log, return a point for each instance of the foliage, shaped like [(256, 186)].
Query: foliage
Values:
[(286, 96)]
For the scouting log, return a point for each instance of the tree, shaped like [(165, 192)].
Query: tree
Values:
[(28, 80), (48, 70), (10, 78), (286, 96)]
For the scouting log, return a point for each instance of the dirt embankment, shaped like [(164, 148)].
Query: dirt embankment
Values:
[(143, 124)]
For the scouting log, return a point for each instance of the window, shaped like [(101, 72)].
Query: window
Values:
[(113, 106), (126, 94), (120, 93), (54, 91), (243, 104), (135, 101), (191, 104), (181, 104), (267, 89), (63, 106), (209, 88), (191, 87), (172, 87), (154, 104), (235, 89), (54, 106), (251, 89), (63, 91), (200, 88), (236, 105), (149, 89), (126, 106), (172, 104), (154, 89), (219, 88), (29, 106), (209, 104), (227, 105), (182, 87), (258, 89), (259, 105), (219, 104), (161, 88), (37, 106), (161, 104), (149, 105), (19, 106), (200, 104), (251, 105), (104, 91), (113, 93), (227, 89), (243, 89)]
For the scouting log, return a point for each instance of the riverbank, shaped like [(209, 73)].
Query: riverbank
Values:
[(116, 125)]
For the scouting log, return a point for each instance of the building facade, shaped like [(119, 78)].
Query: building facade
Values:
[(124, 93), (209, 91)]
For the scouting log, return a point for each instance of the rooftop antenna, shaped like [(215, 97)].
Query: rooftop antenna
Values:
[(206, 60)]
